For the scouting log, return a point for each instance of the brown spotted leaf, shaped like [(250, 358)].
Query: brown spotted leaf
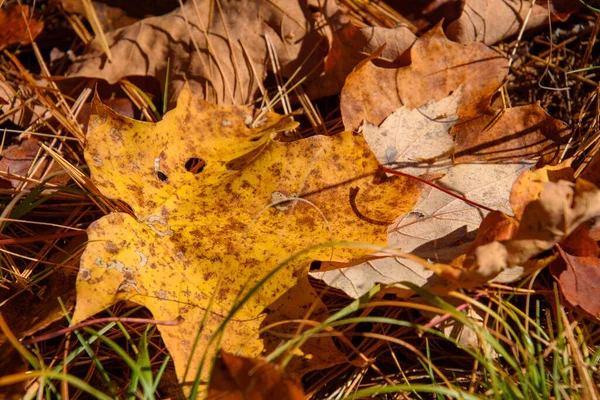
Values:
[(218, 206)]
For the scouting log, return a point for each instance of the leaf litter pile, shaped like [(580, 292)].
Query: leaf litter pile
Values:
[(258, 199)]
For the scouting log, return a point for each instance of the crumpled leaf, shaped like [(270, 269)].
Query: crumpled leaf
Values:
[(239, 378), (561, 208), (217, 230), (15, 21), (530, 184)]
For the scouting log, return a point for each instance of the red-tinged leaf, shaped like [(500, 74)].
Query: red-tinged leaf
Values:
[(579, 278), (14, 21), (580, 243)]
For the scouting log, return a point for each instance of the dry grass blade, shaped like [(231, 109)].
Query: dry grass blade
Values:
[(97, 27)]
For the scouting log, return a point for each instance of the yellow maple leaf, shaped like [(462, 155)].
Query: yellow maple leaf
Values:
[(214, 232)]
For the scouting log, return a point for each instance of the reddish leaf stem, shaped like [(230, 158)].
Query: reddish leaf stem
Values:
[(471, 202)]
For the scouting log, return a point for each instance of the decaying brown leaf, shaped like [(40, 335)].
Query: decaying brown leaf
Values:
[(222, 54), (24, 161), (578, 277)]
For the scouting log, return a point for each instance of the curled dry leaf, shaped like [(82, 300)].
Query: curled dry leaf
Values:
[(19, 27), (561, 208), (530, 184), (218, 229)]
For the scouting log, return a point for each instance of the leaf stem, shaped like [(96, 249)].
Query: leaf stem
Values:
[(458, 196)]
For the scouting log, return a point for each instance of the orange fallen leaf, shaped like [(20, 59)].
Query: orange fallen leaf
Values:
[(529, 184), (438, 68)]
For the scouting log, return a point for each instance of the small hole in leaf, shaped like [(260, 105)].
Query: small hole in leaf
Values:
[(195, 165), (161, 176)]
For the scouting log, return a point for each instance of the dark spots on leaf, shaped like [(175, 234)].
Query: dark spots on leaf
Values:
[(245, 184), (222, 294), (111, 248), (134, 188), (208, 275), (196, 233), (276, 169)]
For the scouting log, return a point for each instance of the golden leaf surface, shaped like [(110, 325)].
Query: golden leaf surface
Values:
[(214, 232)]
